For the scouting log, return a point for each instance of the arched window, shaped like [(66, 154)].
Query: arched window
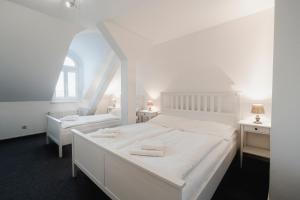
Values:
[(67, 87)]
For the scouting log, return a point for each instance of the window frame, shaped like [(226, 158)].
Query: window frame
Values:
[(65, 70)]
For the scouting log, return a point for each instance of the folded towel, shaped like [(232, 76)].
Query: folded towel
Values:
[(109, 130), (105, 135), (153, 145), (70, 118), (150, 153)]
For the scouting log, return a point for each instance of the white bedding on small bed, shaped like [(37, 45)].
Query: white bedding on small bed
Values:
[(128, 134), (89, 119)]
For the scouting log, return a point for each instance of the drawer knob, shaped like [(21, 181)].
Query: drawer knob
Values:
[(255, 129)]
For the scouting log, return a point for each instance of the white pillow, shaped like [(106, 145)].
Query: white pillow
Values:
[(208, 127), (167, 121), (70, 118)]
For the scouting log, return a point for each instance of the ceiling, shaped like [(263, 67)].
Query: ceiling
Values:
[(170, 19), (154, 20), (89, 12)]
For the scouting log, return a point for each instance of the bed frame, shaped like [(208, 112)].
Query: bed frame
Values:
[(122, 179), (56, 133)]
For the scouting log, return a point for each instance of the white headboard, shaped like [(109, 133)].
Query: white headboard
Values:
[(220, 107)]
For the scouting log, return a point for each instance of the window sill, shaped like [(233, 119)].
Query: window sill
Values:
[(65, 101)]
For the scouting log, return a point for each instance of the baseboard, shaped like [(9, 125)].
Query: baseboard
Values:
[(22, 136)]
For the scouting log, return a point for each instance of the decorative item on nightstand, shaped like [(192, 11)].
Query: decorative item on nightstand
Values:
[(150, 104), (257, 109), (114, 101), (145, 115)]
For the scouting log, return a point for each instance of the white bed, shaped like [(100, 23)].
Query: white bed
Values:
[(59, 130), (112, 168)]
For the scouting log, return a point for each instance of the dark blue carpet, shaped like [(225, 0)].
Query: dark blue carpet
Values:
[(30, 169)]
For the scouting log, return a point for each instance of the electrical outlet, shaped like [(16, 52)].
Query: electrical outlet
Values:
[(24, 127)]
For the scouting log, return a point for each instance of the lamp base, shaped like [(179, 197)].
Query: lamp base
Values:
[(257, 120)]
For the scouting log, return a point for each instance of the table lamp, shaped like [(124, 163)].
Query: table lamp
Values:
[(257, 109), (150, 104)]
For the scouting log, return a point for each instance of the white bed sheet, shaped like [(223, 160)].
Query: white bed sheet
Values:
[(200, 174), (89, 119), (183, 152), (66, 133), (198, 178), (129, 134)]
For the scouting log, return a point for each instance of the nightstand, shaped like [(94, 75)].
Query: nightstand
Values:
[(145, 115), (248, 127)]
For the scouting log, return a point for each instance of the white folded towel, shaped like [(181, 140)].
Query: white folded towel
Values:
[(150, 153), (70, 118), (105, 135), (109, 130), (153, 145)]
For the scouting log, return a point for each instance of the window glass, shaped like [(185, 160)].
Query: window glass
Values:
[(60, 89), (67, 84), (69, 62), (72, 84)]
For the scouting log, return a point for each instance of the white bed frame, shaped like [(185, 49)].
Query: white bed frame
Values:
[(56, 133), (122, 179)]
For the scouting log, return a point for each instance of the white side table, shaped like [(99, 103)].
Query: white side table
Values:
[(250, 127), (145, 115)]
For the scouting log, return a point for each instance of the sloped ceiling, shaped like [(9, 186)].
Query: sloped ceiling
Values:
[(155, 20), (89, 12), (34, 40), (170, 19), (33, 47)]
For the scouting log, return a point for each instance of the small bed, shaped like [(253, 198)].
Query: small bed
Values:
[(112, 168), (59, 125)]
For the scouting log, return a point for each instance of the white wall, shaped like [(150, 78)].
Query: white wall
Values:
[(133, 47), (14, 115), (113, 91), (237, 55), (32, 51), (285, 137)]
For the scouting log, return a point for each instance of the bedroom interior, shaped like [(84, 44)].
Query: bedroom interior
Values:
[(184, 100)]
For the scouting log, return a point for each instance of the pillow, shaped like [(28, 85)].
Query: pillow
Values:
[(208, 127), (70, 118), (167, 121), (116, 112)]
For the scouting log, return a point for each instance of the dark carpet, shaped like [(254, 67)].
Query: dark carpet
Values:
[(30, 169)]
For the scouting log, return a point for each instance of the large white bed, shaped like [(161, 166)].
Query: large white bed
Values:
[(198, 151), (59, 130)]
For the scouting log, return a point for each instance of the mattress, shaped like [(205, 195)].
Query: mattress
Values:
[(66, 133), (90, 119), (128, 135), (183, 152), (199, 177)]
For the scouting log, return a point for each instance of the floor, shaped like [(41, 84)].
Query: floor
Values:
[(30, 169)]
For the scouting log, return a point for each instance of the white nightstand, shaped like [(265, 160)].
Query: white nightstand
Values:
[(145, 115), (250, 127)]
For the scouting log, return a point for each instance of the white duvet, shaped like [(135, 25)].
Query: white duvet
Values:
[(128, 134), (184, 151), (82, 120)]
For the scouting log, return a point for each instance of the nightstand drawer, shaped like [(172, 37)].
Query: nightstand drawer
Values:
[(257, 129)]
